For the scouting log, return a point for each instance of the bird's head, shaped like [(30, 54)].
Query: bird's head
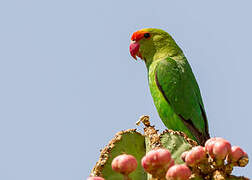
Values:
[(150, 44)]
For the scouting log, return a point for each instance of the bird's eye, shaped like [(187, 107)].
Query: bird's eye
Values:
[(147, 35)]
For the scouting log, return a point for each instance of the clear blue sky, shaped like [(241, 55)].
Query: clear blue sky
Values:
[(68, 83)]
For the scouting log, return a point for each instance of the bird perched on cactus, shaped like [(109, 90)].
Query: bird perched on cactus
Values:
[(172, 84)]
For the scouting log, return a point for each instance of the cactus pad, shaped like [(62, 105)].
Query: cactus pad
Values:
[(129, 142), (176, 142)]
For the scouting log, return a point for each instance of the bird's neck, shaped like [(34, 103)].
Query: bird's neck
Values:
[(163, 53)]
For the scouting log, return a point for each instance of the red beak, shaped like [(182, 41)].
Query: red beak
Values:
[(134, 49)]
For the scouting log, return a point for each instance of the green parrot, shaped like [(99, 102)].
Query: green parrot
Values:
[(172, 84)]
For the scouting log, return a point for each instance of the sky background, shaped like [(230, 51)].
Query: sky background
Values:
[(68, 82)]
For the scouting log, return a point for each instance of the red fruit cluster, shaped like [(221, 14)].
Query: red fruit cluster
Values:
[(159, 163), (218, 149), (236, 154)]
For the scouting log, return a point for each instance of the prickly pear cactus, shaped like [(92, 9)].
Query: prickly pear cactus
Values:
[(133, 143), (164, 155), (129, 142)]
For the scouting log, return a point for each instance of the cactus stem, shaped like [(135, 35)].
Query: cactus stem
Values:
[(145, 120), (153, 139), (218, 175), (126, 177), (219, 162), (229, 168)]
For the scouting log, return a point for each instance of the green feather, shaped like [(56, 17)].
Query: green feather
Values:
[(173, 86)]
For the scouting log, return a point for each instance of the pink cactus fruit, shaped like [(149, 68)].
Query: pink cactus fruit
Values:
[(178, 172), (157, 159), (236, 154), (221, 148), (95, 178), (211, 143), (124, 164), (183, 155), (209, 146), (195, 156)]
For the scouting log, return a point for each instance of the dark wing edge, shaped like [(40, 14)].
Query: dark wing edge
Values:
[(201, 138)]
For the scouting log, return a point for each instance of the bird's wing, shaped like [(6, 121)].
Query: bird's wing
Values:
[(179, 87)]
